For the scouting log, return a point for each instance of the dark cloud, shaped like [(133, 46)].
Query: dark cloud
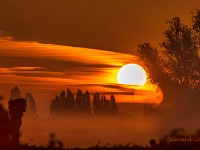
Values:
[(118, 93), (51, 64), (116, 25), (115, 86), (115, 89)]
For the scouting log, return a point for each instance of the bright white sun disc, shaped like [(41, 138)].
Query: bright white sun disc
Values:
[(131, 74)]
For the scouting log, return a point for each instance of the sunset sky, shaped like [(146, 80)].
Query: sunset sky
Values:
[(50, 45)]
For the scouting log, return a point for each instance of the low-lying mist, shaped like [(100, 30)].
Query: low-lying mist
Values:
[(84, 132)]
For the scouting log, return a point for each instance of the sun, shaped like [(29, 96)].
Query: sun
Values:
[(131, 74)]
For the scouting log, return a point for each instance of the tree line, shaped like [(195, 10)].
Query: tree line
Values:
[(175, 64), (68, 103)]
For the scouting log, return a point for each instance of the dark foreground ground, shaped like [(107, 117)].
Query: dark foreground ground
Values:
[(176, 140), (26, 147), (153, 146)]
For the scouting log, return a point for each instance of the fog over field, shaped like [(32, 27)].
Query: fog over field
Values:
[(84, 132)]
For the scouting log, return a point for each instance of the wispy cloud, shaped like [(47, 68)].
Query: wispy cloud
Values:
[(65, 53), (26, 68), (20, 70)]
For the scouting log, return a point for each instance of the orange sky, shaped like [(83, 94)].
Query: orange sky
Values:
[(47, 46), (114, 25)]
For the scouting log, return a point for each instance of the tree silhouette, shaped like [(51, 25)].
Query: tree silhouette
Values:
[(152, 61), (105, 105), (181, 52), (97, 103), (15, 93), (86, 103), (63, 99), (63, 104), (5, 127), (180, 62), (175, 68), (16, 109), (56, 106), (113, 105), (83, 102), (67, 102), (31, 106), (196, 26), (70, 100), (196, 31), (79, 100)]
